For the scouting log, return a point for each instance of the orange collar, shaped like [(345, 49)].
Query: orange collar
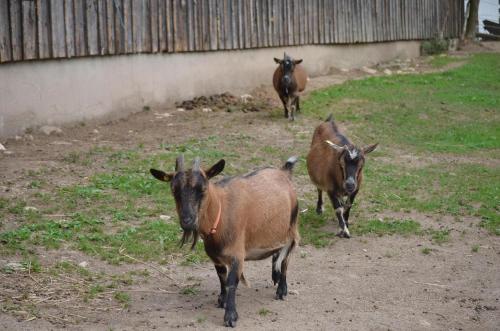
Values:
[(217, 220)]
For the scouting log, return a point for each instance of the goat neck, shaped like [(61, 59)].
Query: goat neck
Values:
[(210, 210)]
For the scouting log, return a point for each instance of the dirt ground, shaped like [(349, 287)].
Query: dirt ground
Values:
[(365, 283)]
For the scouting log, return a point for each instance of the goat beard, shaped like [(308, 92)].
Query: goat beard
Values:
[(186, 236)]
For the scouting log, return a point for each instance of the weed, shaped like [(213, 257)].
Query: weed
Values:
[(122, 297), (434, 46), (440, 236), (475, 248), (264, 312), (426, 250), (190, 290)]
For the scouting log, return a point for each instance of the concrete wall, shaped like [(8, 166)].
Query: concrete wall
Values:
[(65, 91)]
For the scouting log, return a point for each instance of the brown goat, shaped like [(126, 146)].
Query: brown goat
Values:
[(248, 217), (289, 79), (335, 165)]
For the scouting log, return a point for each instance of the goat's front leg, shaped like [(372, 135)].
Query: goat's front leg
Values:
[(348, 207), (339, 211), (222, 273), (233, 278), (284, 101)]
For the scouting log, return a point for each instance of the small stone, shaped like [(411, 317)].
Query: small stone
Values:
[(180, 109), (14, 266), (388, 72), (246, 97), (60, 142), (207, 110), (2, 148), (48, 130), (344, 70), (369, 70), (95, 131), (83, 264), (293, 292), (29, 137), (30, 208), (165, 218), (17, 138)]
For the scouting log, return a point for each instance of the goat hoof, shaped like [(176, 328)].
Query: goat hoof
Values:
[(230, 318), (343, 234), (220, 302), (281, 292), (319, 210)]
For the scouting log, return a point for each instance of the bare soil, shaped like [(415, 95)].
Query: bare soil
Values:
[(365, 283)]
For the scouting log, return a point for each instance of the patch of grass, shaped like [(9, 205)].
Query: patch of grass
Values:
[(442, 61), (311, 227), (94, 290), (440, 236), (201, 319), (387, 227), (264, 312), (475, 249), (122, 297), (190, 290), (426, 250), (434, 46), (454, 111)]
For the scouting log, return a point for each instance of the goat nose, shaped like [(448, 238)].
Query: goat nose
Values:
[(350, 184)]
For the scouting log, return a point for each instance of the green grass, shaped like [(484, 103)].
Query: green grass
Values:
[(440, 236), (264, 312), (123, 298), (455, 111), (444, 60), (387, 227), (475, 249), (426, 250)]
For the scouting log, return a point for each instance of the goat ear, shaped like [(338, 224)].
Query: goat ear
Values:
[(278, 61), (334, 146), (297, 61), (215, 169), (369, 148), (160, 175)]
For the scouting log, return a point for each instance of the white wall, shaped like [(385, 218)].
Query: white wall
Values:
[(69, 90)]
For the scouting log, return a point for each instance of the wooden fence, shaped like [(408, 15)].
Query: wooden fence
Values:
[(45, 29)]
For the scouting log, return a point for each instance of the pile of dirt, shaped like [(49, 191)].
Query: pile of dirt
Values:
[(224, 102)]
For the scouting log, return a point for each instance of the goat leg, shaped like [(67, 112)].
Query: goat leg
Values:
[(319, 204), (231, 316), (339, 211), (222, 273)]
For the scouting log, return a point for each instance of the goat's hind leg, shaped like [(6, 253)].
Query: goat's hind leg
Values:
[(319, 204), (275, 274), (282, 261)]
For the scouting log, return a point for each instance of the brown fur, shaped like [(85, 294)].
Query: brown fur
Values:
[(335, 166), (258, 218), (299, 74)]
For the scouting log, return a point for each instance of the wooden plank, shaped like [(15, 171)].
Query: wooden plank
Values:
[(234, 24), (296, 22), (169, 14), (154, 25), (162, 26), (212, 21), (228, 42), (275, 23), (43, 28), (301, 22), (146, 26), (137, 25), (29, 30), (190, 31), (5, 42), (258, 24), (16, 29), (91, 23), (128, 40), (110, 27), (102, 29), (57, 28), (120, 41), (180, 27)]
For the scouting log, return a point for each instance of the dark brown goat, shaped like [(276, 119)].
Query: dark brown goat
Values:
[(335, 165), (289, 79), (248, 217)]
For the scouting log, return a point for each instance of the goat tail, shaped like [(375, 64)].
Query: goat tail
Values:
[(290, 163)]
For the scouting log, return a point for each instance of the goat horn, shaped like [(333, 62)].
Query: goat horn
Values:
[(196, 164), (179, 163), (335, 146)]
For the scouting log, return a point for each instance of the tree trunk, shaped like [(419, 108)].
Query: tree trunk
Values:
[(472, 20)]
